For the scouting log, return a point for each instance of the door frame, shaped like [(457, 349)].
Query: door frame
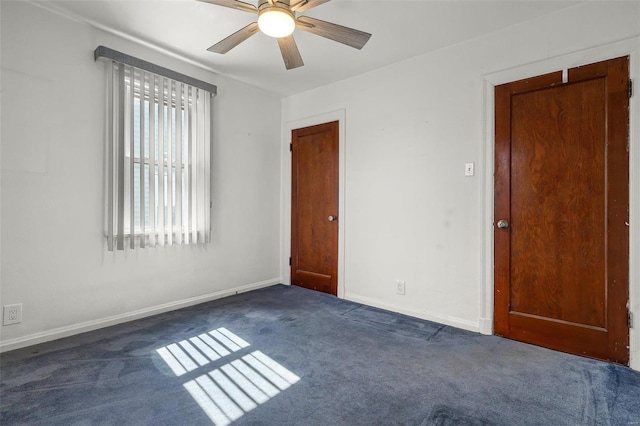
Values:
[(285, 192), (563, 62)]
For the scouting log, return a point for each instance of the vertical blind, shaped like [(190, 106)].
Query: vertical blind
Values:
[(159, 154)]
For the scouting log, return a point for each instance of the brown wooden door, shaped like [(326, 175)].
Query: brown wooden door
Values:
[(314, 208), (562, 183)]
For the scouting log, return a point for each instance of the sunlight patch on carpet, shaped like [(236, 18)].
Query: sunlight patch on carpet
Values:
[(238, 386)]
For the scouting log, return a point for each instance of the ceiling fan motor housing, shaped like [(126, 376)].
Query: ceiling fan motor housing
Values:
[(266, 4)]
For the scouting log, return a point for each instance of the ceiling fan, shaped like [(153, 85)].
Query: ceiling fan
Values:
[(277, 18)]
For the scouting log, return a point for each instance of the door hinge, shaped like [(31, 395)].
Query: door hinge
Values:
[(290, 147), (289, 261), (630, 88), (630, 319)]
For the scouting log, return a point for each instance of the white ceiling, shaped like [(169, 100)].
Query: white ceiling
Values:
[(401, 30)]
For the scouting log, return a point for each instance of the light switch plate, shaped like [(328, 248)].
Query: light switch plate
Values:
[(469, 169)]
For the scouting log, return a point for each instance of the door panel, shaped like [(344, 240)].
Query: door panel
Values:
[(561, 180), (557, 208), (314, 198)]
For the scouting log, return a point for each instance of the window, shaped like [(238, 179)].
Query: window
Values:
[(159, 148)]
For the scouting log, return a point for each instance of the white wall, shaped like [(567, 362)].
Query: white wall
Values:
[(410, 213), (407, 210), (54, 258)]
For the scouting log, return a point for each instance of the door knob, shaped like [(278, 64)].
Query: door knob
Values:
[(503, 224), (332, 218)]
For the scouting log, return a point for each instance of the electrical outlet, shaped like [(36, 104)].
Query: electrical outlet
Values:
[(400, 288), (12, 314)]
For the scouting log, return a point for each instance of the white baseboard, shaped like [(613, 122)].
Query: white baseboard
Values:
[(425, 315), (486, 326), (59, 333)]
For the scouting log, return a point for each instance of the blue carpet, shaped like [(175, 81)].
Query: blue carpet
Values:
[(288, 356)]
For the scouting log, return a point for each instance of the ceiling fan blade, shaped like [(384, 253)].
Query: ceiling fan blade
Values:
[(234, 39), (302, 5), (344, 35), (234, 4), (290, 52)]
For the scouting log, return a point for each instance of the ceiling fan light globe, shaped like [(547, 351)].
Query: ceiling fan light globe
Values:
[(276, 22)]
